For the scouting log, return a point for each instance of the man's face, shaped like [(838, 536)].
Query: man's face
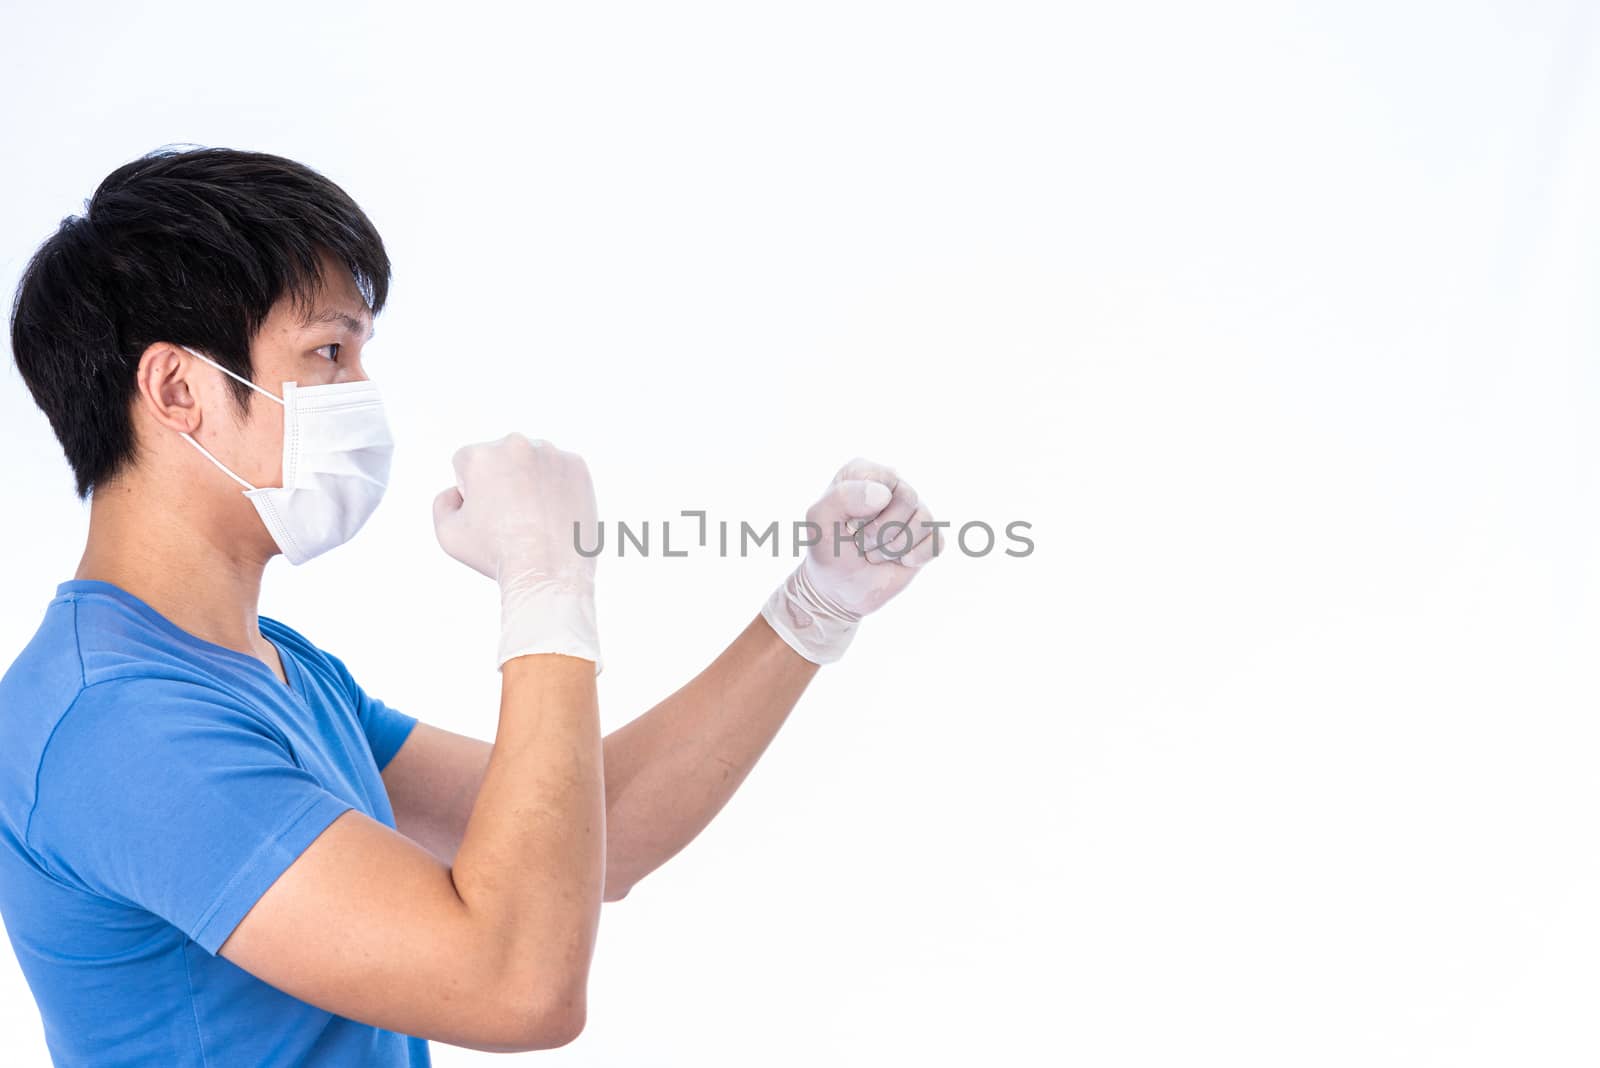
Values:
[(311, 346)]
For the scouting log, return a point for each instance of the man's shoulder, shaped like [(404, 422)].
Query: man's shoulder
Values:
[(103, 635), (50, 667), (47, 678), (41, 684), (87, 653)]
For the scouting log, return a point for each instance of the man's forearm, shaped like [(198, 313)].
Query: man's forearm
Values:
[(532, 859), (668, 772)]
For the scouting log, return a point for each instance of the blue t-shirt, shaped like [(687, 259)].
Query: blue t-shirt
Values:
[(152, 786)]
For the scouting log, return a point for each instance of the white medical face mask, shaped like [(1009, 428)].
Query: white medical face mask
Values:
[(336, 453)]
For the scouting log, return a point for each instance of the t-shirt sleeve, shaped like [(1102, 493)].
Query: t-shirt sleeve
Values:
[(386, 728), (174, 798)]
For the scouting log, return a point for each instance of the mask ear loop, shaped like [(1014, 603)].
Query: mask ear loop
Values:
[(206, 452)]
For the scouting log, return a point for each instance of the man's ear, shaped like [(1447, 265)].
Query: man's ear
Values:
[(164, 387)]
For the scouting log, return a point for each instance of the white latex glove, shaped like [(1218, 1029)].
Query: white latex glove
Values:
[(510, 516), (843, 577)]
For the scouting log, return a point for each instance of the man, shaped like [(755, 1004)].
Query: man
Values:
[(215, 847)]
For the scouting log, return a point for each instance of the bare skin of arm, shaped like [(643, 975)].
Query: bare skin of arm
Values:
[(667, 773), (490, 950)]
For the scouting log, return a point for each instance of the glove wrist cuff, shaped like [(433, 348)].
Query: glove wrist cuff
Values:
[(549, 614), (813, 624)]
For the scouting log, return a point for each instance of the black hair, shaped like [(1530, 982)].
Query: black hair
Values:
[(188, 245)]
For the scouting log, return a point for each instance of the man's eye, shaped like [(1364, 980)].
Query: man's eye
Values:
[(334, 355)]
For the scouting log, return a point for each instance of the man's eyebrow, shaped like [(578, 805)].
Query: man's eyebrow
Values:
[(334, 315)]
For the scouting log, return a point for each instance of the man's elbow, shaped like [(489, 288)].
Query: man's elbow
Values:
[(553, 1029), (525, 1026)]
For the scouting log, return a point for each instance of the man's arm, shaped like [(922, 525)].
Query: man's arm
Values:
[(490, 950), (670, 771), (667, 773)]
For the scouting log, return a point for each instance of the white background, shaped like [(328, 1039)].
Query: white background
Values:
[(1275, 319)]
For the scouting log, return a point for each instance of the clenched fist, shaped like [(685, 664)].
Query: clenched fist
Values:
[(874, 535), (511, 515)]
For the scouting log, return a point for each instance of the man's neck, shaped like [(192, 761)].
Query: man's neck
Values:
[(179, 560)]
